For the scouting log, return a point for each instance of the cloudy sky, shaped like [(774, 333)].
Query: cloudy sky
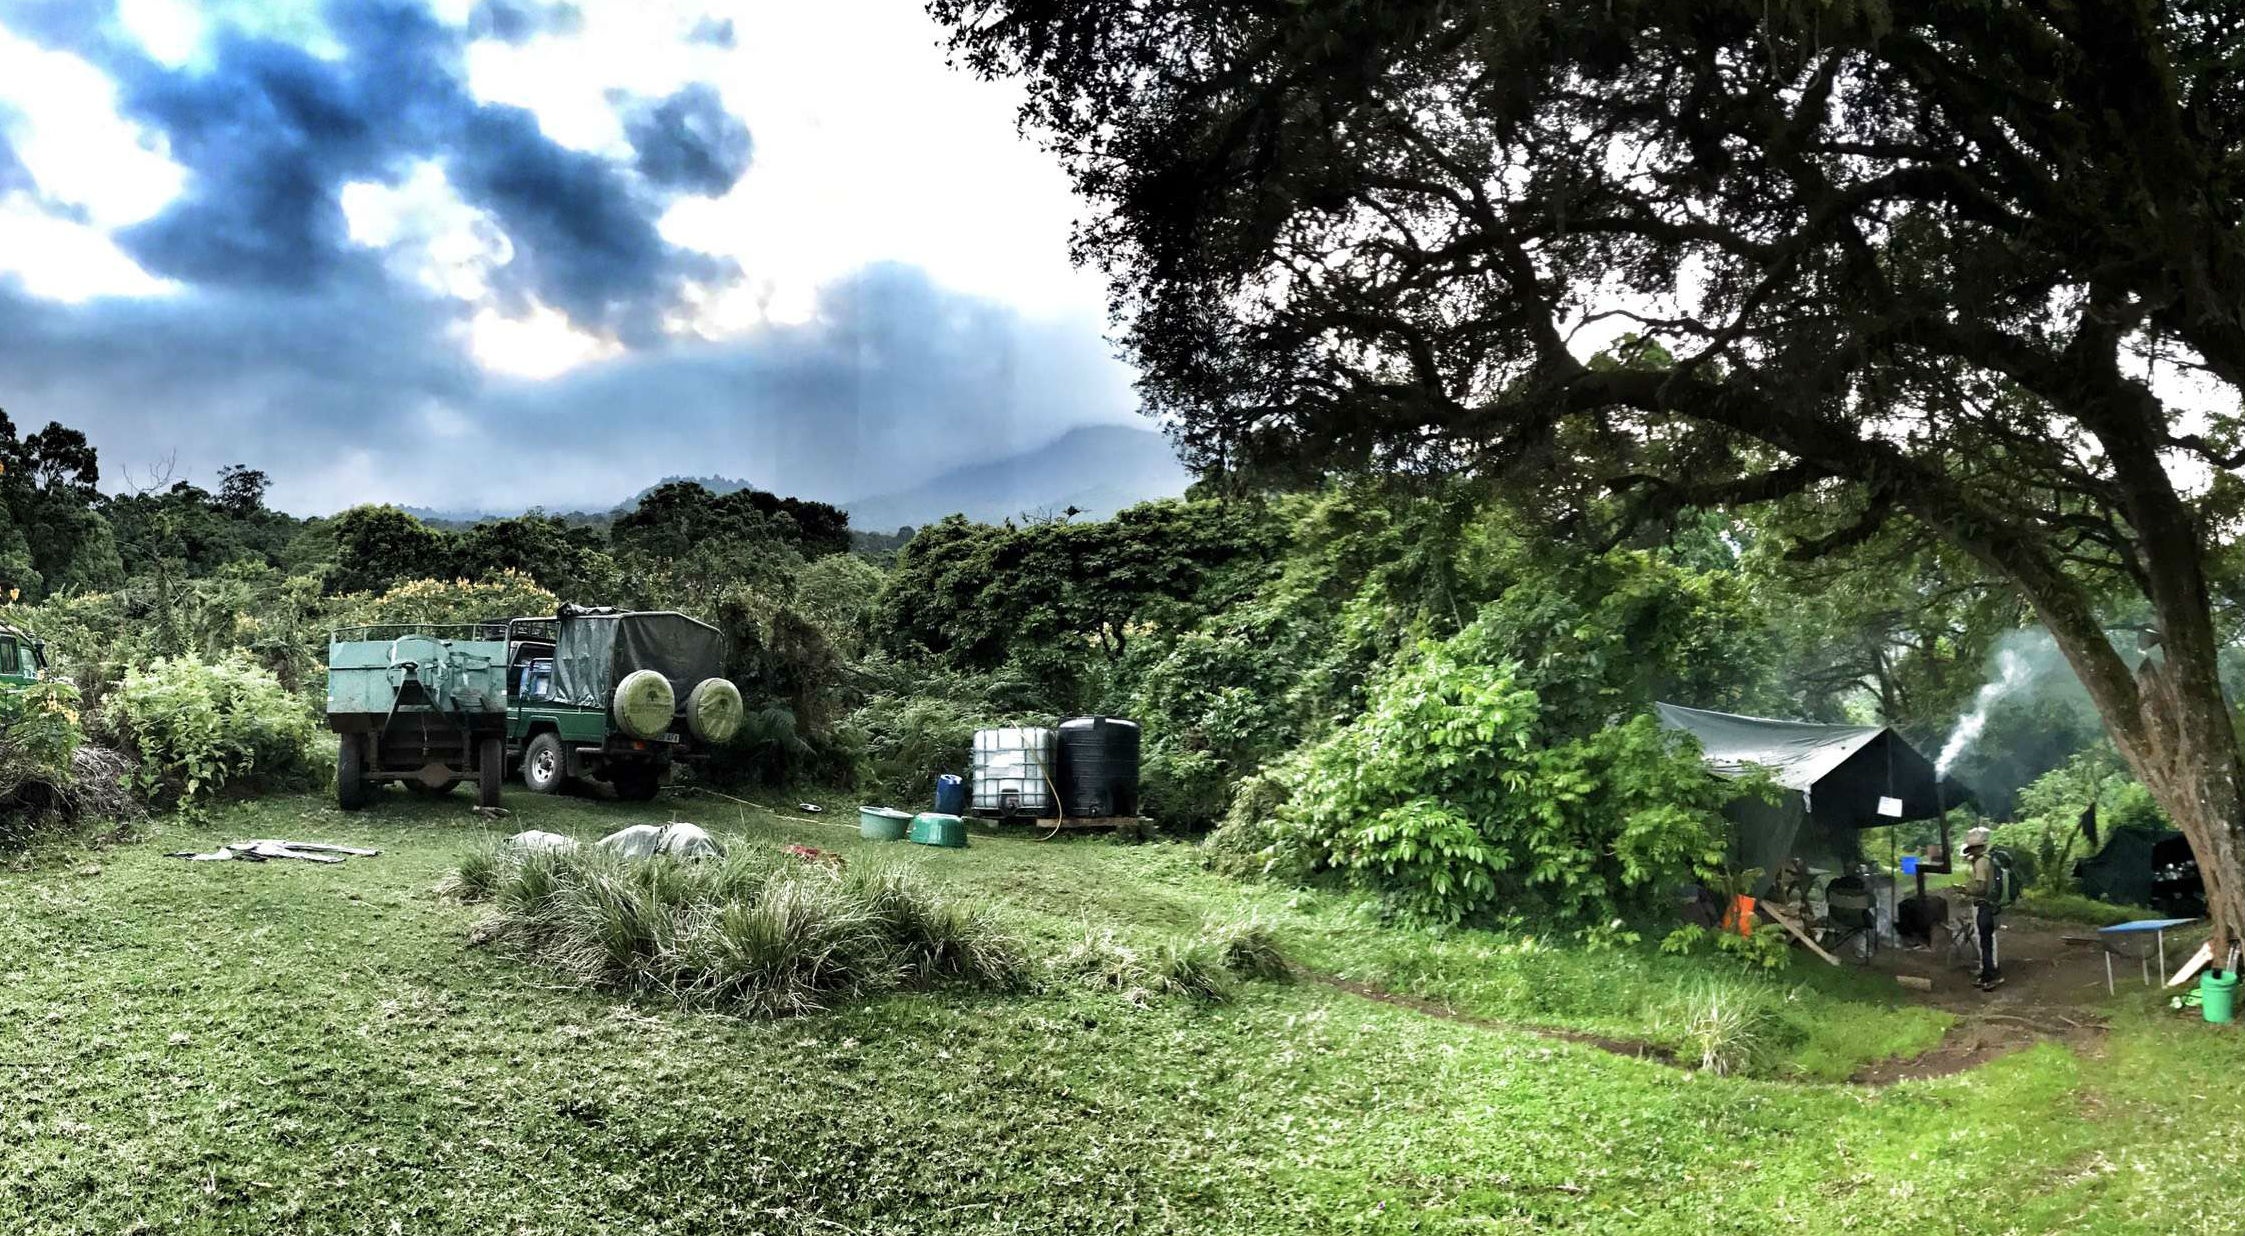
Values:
[(494, 253)]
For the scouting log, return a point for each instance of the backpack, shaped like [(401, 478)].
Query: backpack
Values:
[(2005, 880)]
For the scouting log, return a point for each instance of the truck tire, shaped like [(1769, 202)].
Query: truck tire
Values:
[(643, 704), (491, 770), (545, 766), (635, 783), (350, 772), (714, 711)]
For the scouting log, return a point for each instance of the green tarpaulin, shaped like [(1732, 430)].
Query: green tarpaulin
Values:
[(1833, 782), (594, 651)]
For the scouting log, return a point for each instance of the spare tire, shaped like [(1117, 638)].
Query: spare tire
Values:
[(714, 711), (643, 704)]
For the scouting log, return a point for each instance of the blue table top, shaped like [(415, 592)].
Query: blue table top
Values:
[(2143, 924)]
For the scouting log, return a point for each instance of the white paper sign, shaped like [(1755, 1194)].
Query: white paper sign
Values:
[(1891, 807)]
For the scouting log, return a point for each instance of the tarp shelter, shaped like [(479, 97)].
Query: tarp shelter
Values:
[(1833, 780), (593, 651), (2145, 867)]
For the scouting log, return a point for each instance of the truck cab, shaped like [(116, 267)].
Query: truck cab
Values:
[(616, 696), (23, 657)]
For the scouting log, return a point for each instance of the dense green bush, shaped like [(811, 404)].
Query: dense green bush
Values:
[(1440, 799), (50, 776), (199, 726)]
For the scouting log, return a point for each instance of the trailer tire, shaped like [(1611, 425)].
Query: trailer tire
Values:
[(491, 770), (350, 772), (545, 766)]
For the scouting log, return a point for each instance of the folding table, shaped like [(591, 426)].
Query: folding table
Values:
[(2107, 936)]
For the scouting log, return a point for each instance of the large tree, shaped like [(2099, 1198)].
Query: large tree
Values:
[(1942, 261)]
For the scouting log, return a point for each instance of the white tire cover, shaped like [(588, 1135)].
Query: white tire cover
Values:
[(714, 710), (644, 703)]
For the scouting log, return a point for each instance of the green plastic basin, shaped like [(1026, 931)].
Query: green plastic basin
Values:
[(935, 828), (882, 823)]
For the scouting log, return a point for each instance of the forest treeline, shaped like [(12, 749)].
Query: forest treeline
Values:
[(1480, 661)]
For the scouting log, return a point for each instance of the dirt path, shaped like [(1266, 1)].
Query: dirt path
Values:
[(2053, 992)]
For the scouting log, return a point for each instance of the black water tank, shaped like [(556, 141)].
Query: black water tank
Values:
[(1099, 767)]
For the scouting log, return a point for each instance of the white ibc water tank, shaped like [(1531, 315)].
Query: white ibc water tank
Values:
[(1013, 772)]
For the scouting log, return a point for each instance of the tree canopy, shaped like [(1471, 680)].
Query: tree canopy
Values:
[(1921, 262)]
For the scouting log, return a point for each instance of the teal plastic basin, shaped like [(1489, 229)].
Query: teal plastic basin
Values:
[(882, 823)]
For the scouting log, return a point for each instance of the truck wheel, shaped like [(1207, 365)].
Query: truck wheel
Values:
[(544, 765), (350, 772), (636, 783), (491, 770)]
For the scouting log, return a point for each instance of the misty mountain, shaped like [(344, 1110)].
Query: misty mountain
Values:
[(1098, 469)]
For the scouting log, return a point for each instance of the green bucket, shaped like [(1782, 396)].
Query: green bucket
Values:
[(2217, 995), (881, 823), (935, 828)]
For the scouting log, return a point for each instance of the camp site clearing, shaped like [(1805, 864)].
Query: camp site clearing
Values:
[(238, 1047)]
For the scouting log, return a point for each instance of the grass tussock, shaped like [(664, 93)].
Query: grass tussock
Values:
[(753, 933), (1722, 1027), (1249, 948), (1208, 967)]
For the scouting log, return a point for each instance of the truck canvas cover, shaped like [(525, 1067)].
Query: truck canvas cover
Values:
[(593, 652)]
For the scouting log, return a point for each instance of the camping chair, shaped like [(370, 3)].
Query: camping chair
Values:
[(1960, 934), (1852, 911)]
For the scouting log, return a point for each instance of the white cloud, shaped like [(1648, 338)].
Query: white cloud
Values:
[(169, 30), (61, 260), (869, 148), (430, 235), (540, 344), (69, 136)]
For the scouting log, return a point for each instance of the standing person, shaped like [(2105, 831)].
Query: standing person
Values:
[(1980, 887)]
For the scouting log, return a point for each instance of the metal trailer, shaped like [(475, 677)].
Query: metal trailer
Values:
[(422, 704)]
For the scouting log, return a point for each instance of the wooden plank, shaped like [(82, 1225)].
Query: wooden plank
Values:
[(1777, 916), (2199, 960)]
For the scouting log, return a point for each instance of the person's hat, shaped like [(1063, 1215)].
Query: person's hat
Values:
[(1978, 836)]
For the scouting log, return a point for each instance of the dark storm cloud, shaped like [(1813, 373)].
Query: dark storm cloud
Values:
[(362, 392), (584, 239), (271, 134), (689, 142), (519, 21), (293, 350), (712, 32)]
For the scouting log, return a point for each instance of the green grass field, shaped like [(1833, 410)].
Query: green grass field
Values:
[(295, 1048)]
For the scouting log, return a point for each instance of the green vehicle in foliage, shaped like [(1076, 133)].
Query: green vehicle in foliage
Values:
[(417, 703), (614, 695), (23, 657)]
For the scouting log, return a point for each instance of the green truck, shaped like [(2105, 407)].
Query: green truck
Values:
[(614, 695), (23, 657), (418, 703)]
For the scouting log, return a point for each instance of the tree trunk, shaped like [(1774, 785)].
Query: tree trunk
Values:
[(2186, 755), (2172, 725)]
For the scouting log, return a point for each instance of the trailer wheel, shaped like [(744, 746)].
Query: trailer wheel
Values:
[(350, 772), (635, 783), (544, 765), (491, 769)]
